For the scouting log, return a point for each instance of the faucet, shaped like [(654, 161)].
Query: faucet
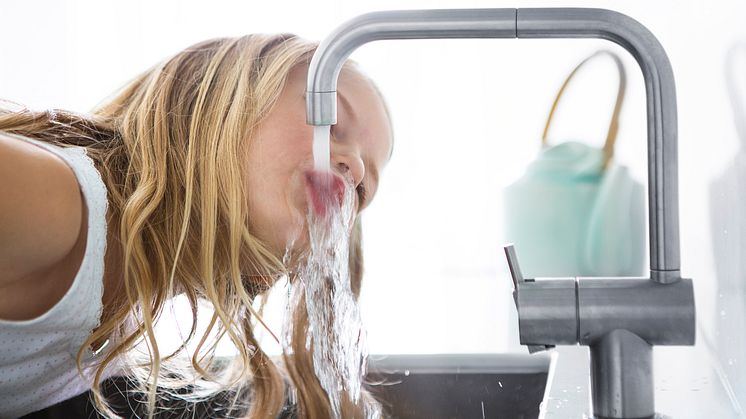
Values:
[(620, 319)]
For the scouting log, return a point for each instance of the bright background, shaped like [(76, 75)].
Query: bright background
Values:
[(468, 116)]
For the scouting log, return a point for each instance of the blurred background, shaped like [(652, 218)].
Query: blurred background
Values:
[(468, 118)]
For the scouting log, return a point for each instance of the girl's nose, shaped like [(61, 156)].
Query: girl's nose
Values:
[(349, 164)]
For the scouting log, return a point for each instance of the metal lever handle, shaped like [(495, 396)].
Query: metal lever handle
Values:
[(515, 269), (518, 279)]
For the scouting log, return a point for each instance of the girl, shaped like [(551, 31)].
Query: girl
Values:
[(190, 180)]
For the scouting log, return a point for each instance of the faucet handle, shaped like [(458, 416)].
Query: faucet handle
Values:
[(515, 269), (518, 280)]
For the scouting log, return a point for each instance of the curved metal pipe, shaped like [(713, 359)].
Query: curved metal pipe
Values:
[(534, 23), (401, 24), (321, 101), (663, 189)]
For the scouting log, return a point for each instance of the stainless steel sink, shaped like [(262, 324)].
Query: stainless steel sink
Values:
[(509, 386), (460, 385)]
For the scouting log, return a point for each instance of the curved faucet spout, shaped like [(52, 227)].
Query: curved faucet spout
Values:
[(326, 63), (321, 99)]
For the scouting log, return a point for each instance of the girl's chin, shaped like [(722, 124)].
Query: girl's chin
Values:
[(296, 242)]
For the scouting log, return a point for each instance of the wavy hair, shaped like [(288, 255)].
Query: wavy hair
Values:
[(170, 147)]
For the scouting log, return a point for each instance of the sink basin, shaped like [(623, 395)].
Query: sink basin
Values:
[(460, 385), (412, 386)]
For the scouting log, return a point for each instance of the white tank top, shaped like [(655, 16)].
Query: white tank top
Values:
[(37, 356)]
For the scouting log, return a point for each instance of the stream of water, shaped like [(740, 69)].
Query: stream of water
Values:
[(336, 334)]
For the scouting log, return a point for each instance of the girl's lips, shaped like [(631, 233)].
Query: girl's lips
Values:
[(326, 190)]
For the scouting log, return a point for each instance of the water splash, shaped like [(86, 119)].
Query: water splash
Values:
[(335, 333)]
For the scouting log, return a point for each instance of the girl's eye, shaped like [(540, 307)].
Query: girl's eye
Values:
[(361, 194)]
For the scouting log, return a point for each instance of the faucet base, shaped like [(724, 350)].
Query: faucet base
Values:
[(603, 417), (622, 377)]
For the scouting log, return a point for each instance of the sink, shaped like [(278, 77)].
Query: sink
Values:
[(411, 386), (460, 385)]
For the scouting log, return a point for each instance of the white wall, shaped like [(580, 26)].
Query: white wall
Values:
[(468, 116)]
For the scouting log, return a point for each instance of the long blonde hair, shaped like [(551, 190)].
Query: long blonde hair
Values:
[(171, 147)]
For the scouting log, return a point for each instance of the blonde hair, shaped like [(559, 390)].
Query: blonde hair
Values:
[(171, 146)]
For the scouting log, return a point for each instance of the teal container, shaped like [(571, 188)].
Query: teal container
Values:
[(567, 216)]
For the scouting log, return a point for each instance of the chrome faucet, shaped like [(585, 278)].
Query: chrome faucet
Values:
[(618, 318)]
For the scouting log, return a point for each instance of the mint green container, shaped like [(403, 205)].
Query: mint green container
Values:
[(575, 212), (567, 217)]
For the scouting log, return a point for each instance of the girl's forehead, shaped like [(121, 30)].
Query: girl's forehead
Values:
[(348, 75)]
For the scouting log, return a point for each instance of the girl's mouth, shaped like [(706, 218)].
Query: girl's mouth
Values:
[(326, 190)]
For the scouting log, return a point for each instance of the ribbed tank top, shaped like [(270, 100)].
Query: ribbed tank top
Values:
[(37, 356)]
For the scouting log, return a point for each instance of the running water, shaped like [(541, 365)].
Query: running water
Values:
[(336, 335), (321, 150)]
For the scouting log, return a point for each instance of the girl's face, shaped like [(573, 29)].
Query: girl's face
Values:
[(280, 156)]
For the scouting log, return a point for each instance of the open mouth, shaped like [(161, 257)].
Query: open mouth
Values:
[(326, 191)]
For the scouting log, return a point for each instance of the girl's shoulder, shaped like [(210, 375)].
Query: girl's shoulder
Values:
[(52, 229), (41, 211)]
